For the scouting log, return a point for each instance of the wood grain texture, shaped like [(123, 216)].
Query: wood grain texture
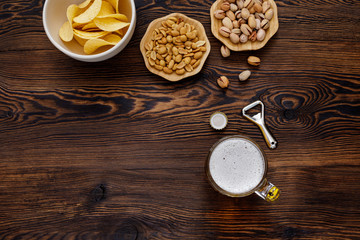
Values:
[(111, 151)]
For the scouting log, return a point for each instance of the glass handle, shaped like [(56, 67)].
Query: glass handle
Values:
[(268, 191)]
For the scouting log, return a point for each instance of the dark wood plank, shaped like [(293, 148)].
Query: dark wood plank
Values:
[(108, 151)]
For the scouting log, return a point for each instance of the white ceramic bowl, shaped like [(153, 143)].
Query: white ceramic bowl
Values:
[(54, 15)]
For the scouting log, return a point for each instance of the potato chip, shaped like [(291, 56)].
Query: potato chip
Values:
[(106, 9), (93, 44), (90, 26), (90, 13), (93, 24), (89, 35), (110, 24), (120, 32), (80, 40), (78, 25), (72, 11), (66, 32), (115, 4), (84, 4), (118, 16), (112, 38)]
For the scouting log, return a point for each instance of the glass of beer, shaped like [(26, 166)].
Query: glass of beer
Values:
[(236, 166)]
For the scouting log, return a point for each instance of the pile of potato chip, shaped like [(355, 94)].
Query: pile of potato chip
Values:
[(93, 24)]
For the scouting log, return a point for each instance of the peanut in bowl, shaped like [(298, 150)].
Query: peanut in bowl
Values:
[(175, 47)]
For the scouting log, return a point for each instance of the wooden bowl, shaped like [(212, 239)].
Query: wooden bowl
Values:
[(156, 24), (249, 45)]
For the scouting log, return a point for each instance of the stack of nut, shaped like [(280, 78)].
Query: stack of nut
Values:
[(244, 20), (175, 47)]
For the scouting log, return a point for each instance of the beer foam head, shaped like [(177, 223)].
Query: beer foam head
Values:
[(237, 165)]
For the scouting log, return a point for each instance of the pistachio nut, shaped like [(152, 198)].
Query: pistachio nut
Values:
[(258, 24), (230, 15), (252, 60), (223, 82), (248, 3), (224, 31), (243, 38), (240, 3), (245, 13), (241, 21), (259, 16), (245, 29), (265, 6), (258, 8), (265, 24), (269, 14), (251, 21), (234, 38), (233, 7), (225, 6), (252, 36), (252, 10), (236, 24), (227, 23), (238, 14), (243, 76), (225, 51), (236, 31), (260, 35), (219, 14)]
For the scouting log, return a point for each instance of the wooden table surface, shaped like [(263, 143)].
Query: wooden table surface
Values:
[(110, 151)]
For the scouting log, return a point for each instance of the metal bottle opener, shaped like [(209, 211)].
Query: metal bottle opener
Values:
[(258, 119)]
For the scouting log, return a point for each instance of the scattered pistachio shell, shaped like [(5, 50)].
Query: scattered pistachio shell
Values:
[(243, 76), (252, 60)]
